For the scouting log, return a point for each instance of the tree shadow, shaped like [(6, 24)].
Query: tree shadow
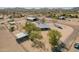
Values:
[(59, 48), (56, 49), (38, 44)]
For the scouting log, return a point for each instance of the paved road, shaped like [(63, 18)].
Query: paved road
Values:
[(71, 39)]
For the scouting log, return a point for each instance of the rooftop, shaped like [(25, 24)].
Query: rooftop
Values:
[(31, 17), (42, 25), (21, 34), (62, 17)]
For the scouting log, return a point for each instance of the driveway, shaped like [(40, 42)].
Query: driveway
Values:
[(72, 38)]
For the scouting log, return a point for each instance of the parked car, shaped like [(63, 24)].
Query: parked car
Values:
[(76, 45), (58, 25)]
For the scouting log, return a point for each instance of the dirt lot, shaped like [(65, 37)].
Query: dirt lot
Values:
[(65, 32), (72, 48), (8, 42), (74, 21), (27, 45)]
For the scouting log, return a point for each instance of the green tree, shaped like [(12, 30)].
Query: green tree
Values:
[(55, 16), (54, 37), (76, 16), (35, 35), (43, 20), (33, 31), (30, 27)]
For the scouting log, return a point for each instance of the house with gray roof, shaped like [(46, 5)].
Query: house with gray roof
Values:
[(42, 26)]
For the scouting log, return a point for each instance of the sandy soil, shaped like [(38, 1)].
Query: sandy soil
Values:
[(28, 44), (65, 32), (73, 21), (8, 42), (72, 48)]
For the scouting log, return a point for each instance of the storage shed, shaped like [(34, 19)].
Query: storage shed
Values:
[(21, 37), (42, 26), (62, 17), (32, 18)]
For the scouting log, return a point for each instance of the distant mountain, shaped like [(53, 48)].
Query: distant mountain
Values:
[(38, 10), (75, 8)]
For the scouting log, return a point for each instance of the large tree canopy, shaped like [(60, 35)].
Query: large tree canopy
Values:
[(54, 37), (31, 27), (33, 31)]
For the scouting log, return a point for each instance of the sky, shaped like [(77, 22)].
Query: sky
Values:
[(38, 7), (39, 3)]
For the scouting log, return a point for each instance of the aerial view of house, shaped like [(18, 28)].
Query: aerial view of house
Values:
[(39, 30)]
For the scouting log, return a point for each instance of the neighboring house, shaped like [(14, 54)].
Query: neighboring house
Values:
[(10, 20), (42, 26), (11, 25), (21, 37), (61, 17), (10, 16), (32, 18), (1, 17)]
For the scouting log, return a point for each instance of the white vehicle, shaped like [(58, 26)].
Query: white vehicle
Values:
[(58, 25)]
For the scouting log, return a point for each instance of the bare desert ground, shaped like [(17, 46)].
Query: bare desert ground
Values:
[(65, 32), (8, 42), (72, 47)]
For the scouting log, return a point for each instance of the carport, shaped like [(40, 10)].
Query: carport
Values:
[(32, 18), (21, 37), (42, 26)]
